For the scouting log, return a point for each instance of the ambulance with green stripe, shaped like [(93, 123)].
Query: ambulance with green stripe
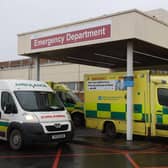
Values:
[(71, 101), (105, 103), (30, 112)]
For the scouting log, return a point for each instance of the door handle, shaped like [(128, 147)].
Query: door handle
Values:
[(159, 111)]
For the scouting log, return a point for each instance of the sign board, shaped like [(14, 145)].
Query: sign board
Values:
[(106, 85), (129, 81), (73, 34)]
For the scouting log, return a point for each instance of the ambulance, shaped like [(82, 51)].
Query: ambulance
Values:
[(105, 103), (71, 101), (30, 113)]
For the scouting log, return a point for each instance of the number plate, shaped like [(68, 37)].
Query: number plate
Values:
[(59, 136)]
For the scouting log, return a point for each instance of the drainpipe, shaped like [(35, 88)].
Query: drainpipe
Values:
[(37, 68)]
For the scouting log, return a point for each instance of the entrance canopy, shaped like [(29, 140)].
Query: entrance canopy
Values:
[(101, 41)]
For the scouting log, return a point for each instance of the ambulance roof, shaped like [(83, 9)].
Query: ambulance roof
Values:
[(29, 85)]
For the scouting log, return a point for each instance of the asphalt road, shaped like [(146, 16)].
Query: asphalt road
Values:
[(88, 150)]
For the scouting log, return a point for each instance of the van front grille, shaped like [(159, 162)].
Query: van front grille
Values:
[(56, 128)]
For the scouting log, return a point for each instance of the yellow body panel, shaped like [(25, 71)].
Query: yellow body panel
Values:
[(3, 128), (103, 114), (161, 133), (92, 123), (91, 106), (118, 107)]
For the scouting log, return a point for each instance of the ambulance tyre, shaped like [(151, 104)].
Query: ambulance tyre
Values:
[(78, 119), (110, 130), (15, 139)]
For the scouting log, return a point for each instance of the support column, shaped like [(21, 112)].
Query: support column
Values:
[(129, 90), (37, 68)]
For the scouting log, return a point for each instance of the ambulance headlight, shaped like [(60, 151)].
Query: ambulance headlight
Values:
[(30, 117), (68, 116)]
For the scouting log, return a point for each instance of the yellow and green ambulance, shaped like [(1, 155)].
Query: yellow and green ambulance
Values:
[(71, 101), (105, 103)]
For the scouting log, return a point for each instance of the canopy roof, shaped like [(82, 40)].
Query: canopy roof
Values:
[(101, 41)]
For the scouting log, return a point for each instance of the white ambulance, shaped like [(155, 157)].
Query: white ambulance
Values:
[(30, 112)]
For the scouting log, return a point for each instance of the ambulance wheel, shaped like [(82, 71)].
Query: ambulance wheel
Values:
[(15, 139), (78, 119), (110, 130)]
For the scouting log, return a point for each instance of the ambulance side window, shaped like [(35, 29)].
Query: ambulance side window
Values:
[(8, 102), (163, 96)]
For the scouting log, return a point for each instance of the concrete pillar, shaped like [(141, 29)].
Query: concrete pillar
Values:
[(37, 68), (129, 90)]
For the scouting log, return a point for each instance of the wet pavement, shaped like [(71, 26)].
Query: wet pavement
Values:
[(90, 149)]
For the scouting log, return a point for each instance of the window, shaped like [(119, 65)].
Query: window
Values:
[(80, 86), (75, 86), (39, 101), (68, 97), (71, 85), (7, 99), (163, 96)]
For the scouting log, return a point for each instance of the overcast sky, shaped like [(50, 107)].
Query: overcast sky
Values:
[(18, 16)]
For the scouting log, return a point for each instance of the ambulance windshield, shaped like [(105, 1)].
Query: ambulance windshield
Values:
[(73, 96), (39, 101)]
